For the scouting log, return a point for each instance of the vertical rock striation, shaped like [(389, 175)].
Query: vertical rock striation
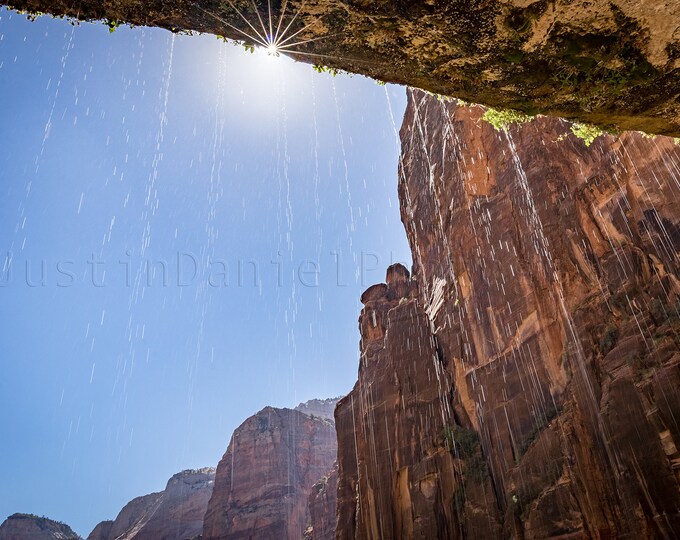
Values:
[(264, 479), (524, 382), (397, 477)]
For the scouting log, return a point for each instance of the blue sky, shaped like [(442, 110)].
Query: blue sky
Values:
[(122, 154)]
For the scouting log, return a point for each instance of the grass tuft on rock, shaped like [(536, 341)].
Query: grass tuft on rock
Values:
[(503, 119), (586, 132)]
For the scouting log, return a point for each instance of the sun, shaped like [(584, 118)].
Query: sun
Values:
[(272, 49)]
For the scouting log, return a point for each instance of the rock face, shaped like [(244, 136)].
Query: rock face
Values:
[(173, 514), (395, 472), (264, 479), (524, 382), (609, 62), (322, 503), (30, 527)]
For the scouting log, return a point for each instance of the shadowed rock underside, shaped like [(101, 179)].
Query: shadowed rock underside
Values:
[(608, 62)]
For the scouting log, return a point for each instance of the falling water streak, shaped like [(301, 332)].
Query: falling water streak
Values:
[(286, 165), (451, 133), (435, 297), (48, 125), (618, 160), (151, 198), (212, 233), (580, 355), (285, 201), (666, 241), (673, 167), (22, 219), (351, 229), (444, 408), (317, 178), (432, 296), (402, 179), (666, 245), (485, 219)]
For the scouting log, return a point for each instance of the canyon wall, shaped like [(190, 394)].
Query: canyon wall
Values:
[(265, 478), (523, 383), (608, 62)]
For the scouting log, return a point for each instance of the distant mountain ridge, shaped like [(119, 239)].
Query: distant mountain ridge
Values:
[(319, 407), (32, 527), (176, 512)]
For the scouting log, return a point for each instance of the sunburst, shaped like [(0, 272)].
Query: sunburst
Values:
[(275, 37)]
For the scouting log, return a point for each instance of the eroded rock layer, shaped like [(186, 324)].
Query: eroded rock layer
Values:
[(610, 62), (264, 479), (524, 383)]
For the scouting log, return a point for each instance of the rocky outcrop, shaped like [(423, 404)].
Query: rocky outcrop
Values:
[(322, 505), (523, 383), (31, 527), (396, 474), (264, 479), (609, 62), (173, 514)]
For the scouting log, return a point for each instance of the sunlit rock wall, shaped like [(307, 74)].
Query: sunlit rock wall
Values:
[(525, 382), (265, 477)]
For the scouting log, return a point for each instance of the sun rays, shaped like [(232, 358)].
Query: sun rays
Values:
[(275, 37)]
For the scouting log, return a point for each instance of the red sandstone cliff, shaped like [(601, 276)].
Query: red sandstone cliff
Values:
[(31, 527), (264, 479), (322, 504), (525, 382), (175, 513)]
